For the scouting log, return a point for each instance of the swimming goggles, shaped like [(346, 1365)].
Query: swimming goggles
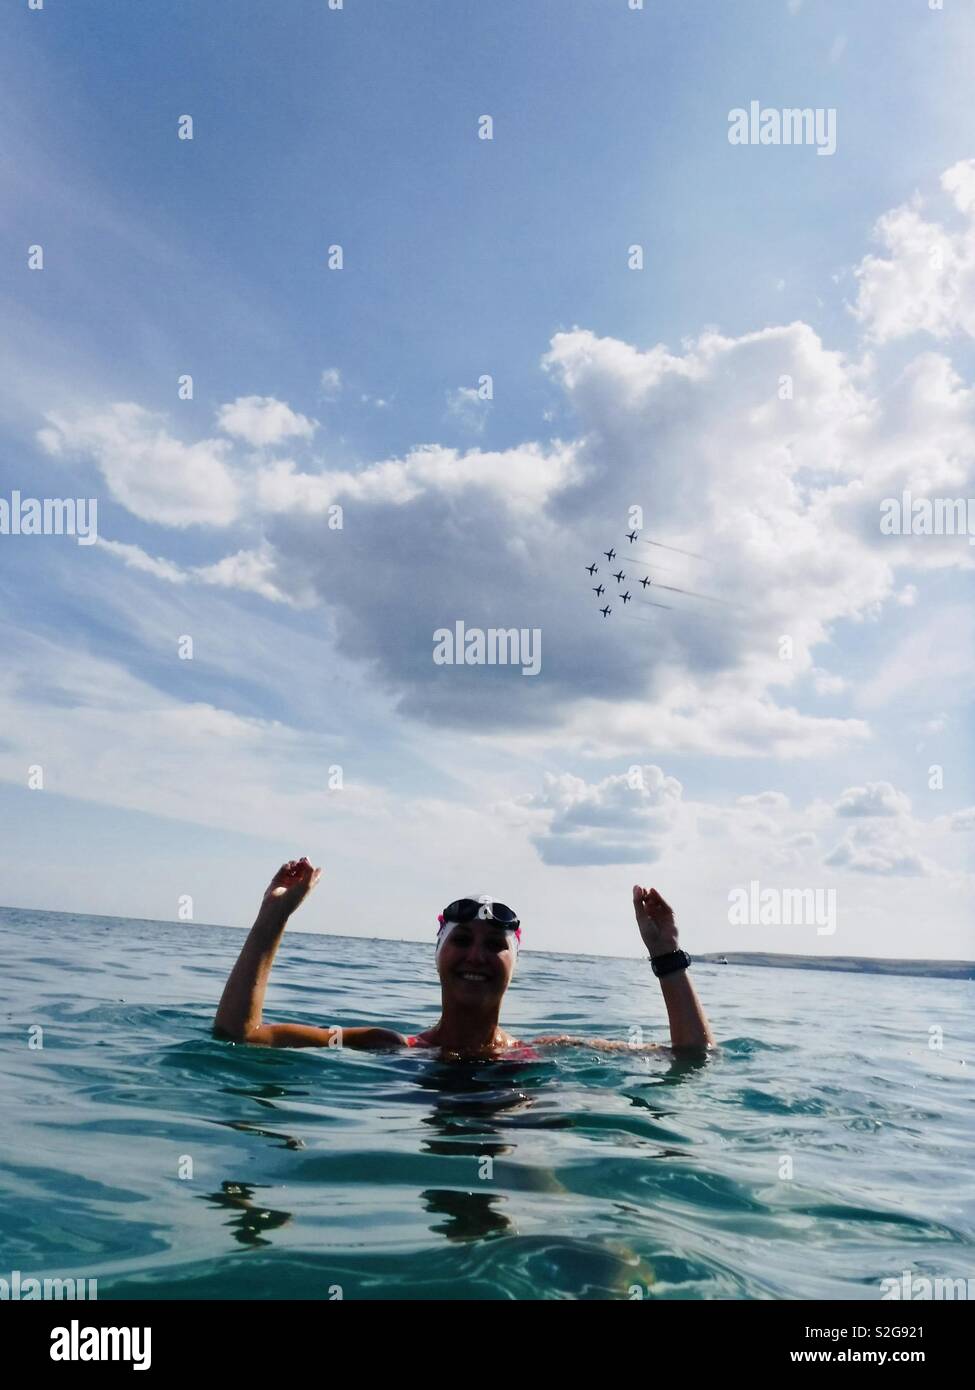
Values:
[(482, 909)]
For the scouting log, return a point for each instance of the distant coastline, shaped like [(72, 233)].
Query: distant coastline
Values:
[(851, 965), (865, 965)]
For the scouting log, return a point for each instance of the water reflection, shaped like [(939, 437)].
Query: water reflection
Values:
[(288, 1141), (469, 1215), (473, 1110), (252, 1222)]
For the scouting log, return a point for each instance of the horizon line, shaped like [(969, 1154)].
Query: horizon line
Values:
[(705, 957)]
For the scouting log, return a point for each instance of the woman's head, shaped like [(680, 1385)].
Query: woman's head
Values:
[(477, 947)]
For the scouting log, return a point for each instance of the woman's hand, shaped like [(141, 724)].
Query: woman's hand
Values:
[(289, 887), (655, 918)]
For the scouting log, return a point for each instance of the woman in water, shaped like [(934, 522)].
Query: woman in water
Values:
[(477, 946)]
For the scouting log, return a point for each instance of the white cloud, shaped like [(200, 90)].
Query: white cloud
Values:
[(826, 683), (875, 799), (50, 441), (885, 839), (780, 505), (523, 479), (103, 735), (331, 383), (927, 281), (262, 421), (779, 491), (873, 848), (136, 558), (575, 823), (154, 476), (768, 801), (624, 819), (466, 406), (249, 570), (708, 716)]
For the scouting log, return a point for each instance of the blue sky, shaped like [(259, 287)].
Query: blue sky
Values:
[(612, 387)]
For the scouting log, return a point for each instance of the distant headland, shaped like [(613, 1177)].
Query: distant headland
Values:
[(865, 965)]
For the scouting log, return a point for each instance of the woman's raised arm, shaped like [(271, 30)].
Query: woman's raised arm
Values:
[(689, 1027), (242, 1002), (239, 1015)]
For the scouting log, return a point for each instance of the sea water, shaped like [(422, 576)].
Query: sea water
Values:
[(824, 1149)]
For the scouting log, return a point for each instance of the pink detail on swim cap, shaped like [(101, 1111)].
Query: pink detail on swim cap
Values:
[(440, 918)]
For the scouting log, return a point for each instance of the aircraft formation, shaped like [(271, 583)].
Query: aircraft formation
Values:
[(647, 580)]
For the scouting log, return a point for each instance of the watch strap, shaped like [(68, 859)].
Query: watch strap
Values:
[(667, 964)]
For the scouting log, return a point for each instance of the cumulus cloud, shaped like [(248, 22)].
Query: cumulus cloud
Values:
[(776, 505), (872, 848), (516, 480), (513, 529), (642, 815), (867, 830), (885, 838), (262, 421), (767, 453), (623, 819), (927, 281), (878, 835), (875, 799)]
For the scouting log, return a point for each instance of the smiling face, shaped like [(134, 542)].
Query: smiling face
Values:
[(475, 962)]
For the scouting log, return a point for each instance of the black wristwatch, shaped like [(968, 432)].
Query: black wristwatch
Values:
[(666, 965)]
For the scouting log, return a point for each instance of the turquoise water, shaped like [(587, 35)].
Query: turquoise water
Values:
[(614, 1175)]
